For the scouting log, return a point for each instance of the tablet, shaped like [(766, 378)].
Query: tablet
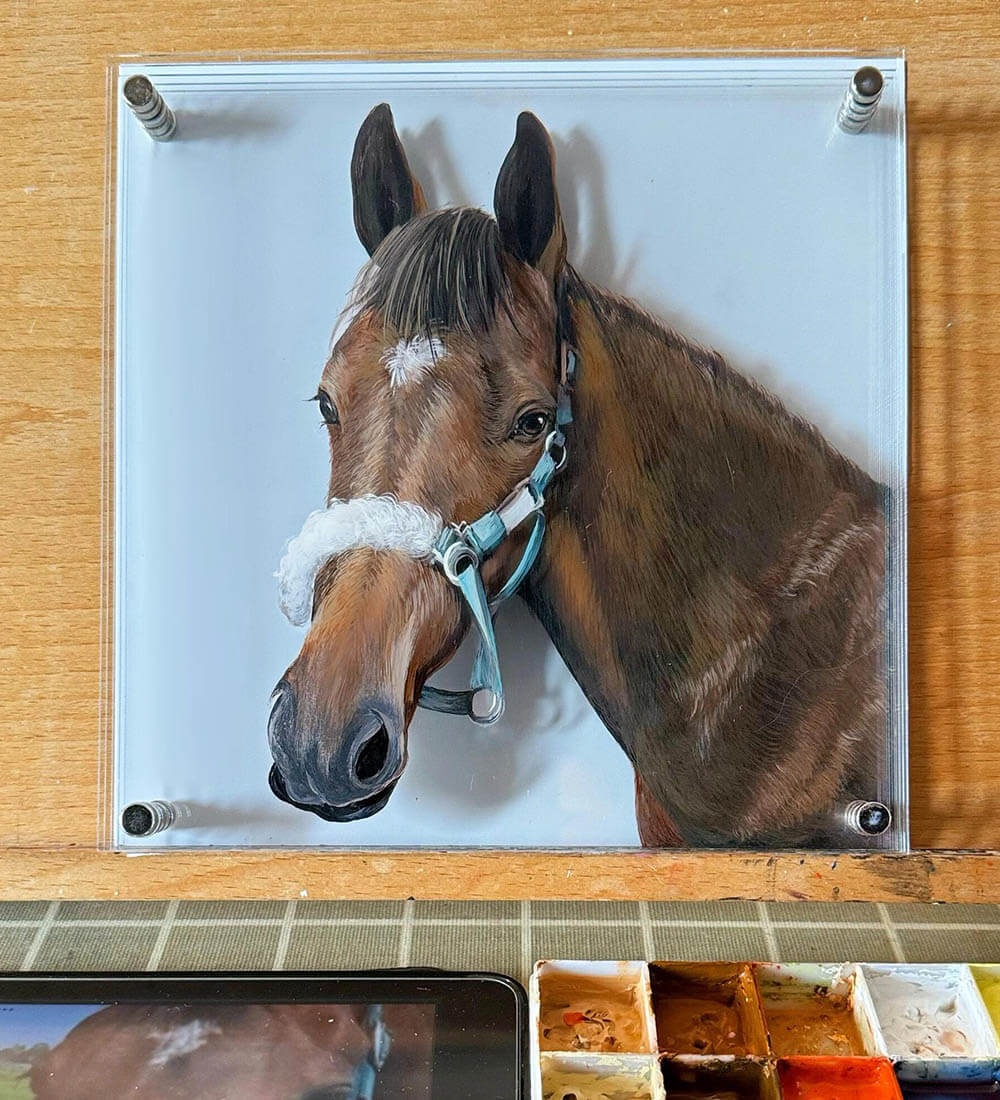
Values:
[(418, 1035)]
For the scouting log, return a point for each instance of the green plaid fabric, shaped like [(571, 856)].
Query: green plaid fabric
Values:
[(502, 936)]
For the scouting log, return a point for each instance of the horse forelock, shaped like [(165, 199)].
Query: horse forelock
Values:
[(442, 271)]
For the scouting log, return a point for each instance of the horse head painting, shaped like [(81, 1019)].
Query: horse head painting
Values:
[(709, 567), (216, 1052)]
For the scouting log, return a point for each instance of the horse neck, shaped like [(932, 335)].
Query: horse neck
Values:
[(674, 460)]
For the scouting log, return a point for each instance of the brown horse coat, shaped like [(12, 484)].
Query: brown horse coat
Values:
[(232, 1052), (713, 576)]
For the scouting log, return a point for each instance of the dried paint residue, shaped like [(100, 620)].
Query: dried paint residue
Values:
[(817, 1021), (581, 1012), (705, 1008), (561, 1084), (928, 1013), (837, 1079), (729, 1079)]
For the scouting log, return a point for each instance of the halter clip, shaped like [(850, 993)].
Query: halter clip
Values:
[(456, 556)]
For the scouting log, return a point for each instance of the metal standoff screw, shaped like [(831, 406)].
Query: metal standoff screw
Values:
[(867, 818), (148, 107), (861, 101), (148, 818)]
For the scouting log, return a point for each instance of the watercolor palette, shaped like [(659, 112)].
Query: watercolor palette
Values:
[(763, 1031)]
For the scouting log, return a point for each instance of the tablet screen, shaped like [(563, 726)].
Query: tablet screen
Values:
[(376, 1035), (308, 1051)]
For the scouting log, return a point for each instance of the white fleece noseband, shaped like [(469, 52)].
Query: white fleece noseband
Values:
[(376, 522)]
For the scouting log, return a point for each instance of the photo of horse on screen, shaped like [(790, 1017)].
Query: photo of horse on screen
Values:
[(216, 1051), (709, 567)]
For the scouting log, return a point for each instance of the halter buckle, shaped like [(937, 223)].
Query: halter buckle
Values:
[(456, 556), (556, 449)]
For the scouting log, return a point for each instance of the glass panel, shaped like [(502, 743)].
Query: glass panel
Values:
[(717, 585)]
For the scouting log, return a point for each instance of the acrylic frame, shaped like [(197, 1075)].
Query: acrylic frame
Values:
[(895, 408)]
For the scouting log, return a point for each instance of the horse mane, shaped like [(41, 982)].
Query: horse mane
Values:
[(440, 271), (707, 370)]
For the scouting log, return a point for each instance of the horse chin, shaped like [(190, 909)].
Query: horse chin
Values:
[(351, 811)]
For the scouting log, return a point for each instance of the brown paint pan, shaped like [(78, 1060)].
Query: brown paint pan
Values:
[(818, 1009), (707, 1009), (719, 1079)]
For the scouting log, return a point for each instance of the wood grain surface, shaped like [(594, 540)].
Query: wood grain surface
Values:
[(651, 876), (54, 57)]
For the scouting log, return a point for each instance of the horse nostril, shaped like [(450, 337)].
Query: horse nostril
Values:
[(374, 753)]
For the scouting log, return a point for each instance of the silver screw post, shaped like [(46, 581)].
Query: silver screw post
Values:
[(148, 107), (867, 818), (148, 818), (861, 101)]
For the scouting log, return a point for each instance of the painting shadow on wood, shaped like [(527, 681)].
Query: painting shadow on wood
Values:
[(953, 509)]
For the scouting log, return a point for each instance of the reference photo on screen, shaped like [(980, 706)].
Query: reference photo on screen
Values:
[(510, 454), (366, 1035), (278, 1051)]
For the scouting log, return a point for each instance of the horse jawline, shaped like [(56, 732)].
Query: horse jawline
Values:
[(353, 811)]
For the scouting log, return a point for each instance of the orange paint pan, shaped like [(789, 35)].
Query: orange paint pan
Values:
[(814, 1078)]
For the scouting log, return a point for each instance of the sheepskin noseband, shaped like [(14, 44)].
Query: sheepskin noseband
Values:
[(376, 522)]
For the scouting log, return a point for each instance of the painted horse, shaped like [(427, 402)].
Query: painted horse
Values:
[(254, 1052), (712, 571)]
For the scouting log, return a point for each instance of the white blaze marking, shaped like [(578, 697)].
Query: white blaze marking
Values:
[(411, 359), (181, 1040), (377, 522)]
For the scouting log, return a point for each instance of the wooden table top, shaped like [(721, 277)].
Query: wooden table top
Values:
[(53, 127)]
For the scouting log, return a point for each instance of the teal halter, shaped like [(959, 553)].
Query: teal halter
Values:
[(363, 1085), (462, 548)]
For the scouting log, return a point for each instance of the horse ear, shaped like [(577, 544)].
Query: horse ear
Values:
[(385, 192), (526, 202)]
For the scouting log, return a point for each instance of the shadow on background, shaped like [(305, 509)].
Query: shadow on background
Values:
[(511, 754), (226, 125)]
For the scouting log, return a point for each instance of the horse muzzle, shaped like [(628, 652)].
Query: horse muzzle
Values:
[(346, 777), (352, 811)]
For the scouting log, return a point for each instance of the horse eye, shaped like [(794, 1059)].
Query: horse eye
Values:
[(327, 408), (530, 425)]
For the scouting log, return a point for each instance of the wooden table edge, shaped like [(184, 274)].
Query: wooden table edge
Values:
[(921, 876)]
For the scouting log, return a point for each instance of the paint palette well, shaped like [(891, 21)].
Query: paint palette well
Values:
[(935, 1024), (817, 1010), (604, 1008), (763, 1031), (609, 1077), (837, 1079), (707, 1009), (987, 979), (729, 1078)]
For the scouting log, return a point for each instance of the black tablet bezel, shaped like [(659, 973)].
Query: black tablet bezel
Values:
[(467, 1005)]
